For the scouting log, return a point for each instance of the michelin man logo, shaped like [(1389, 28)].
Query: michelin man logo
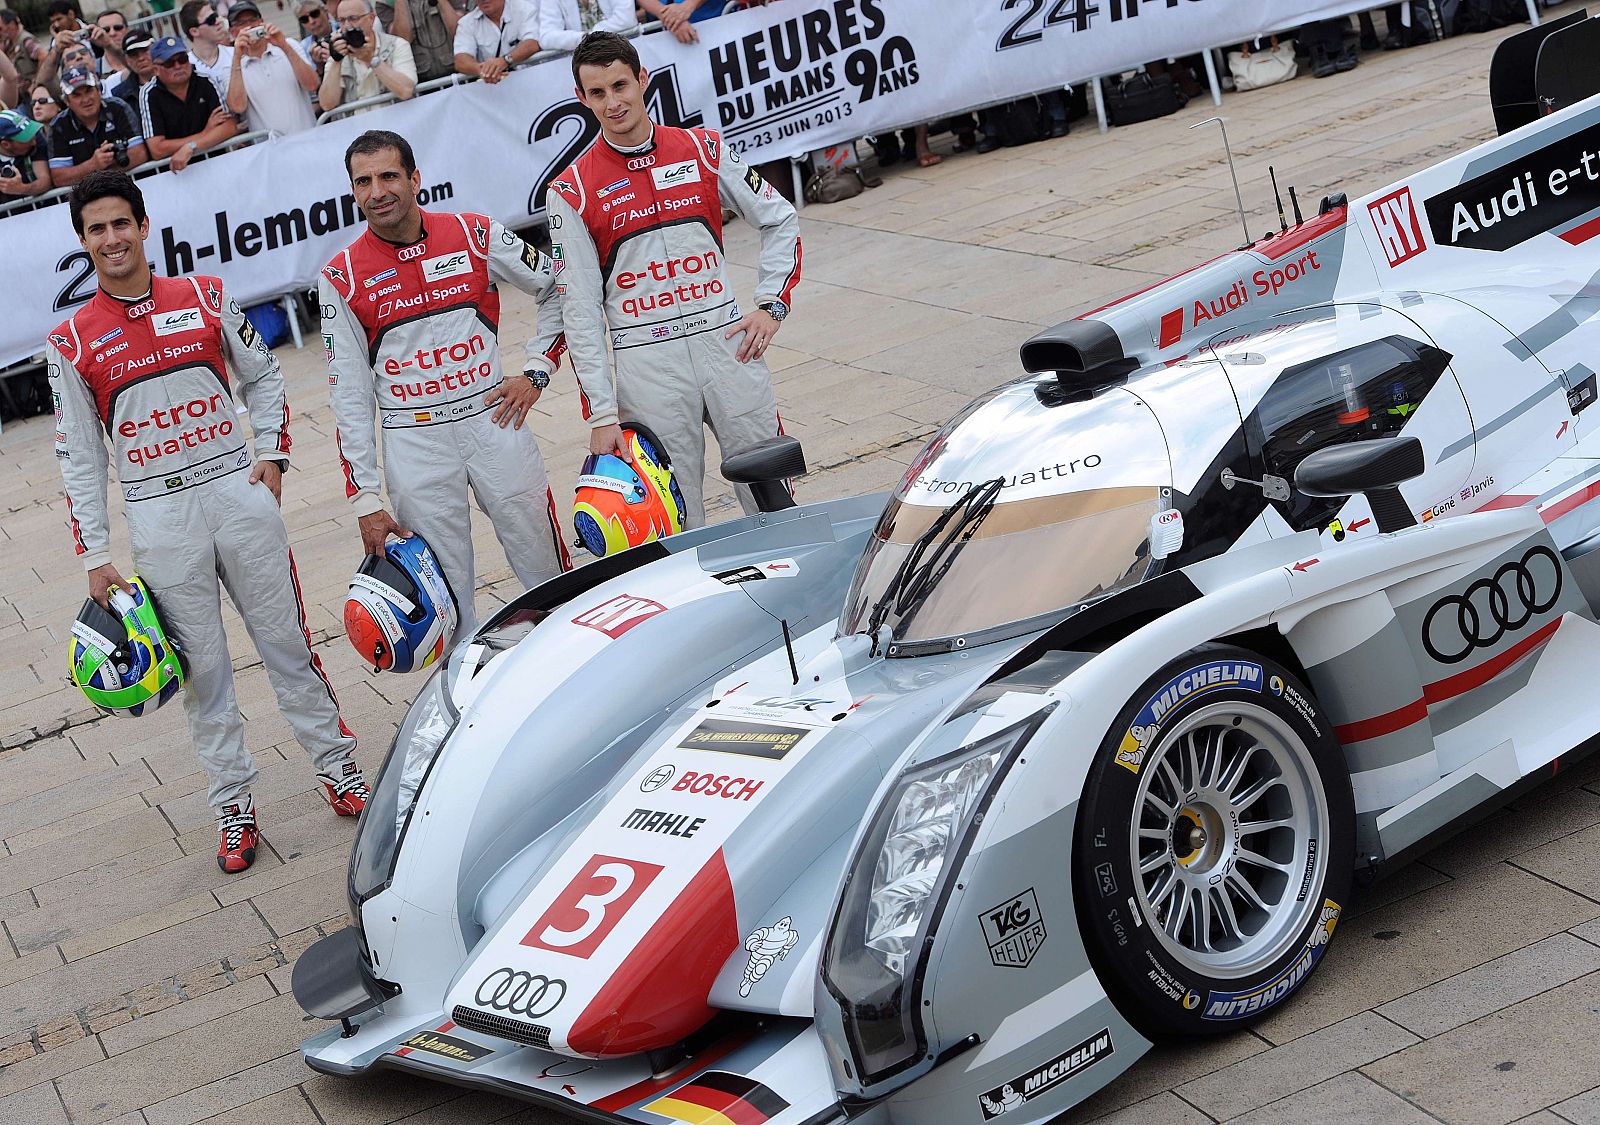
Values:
[(1323, 934), (1135, 743), (1009, 1099), (767, 944)]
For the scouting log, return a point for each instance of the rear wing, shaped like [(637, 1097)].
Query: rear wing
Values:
[(1543, 69)]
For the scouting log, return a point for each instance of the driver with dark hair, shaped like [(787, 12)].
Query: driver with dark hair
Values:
[(155, 364)]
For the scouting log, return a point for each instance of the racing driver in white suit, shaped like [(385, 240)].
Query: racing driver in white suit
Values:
[(636, 232), (410, 317)]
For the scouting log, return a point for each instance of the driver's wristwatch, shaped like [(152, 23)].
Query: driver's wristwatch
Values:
[(540, 379), (774, 308)]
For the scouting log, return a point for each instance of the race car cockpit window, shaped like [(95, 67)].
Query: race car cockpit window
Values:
[(1362, 392), (1024, 558)]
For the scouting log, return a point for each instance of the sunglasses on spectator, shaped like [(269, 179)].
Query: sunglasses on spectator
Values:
[(115, 26), (174, 61), (44, 101), (307, 17), (211, 20)]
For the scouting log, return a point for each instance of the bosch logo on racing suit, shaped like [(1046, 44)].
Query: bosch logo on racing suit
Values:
[(521, 993)]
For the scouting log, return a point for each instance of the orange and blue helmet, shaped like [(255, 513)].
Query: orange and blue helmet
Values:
[(401, 612), (621, 504)]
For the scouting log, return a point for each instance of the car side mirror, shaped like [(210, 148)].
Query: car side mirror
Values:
[(1373, 468), (765, 466)]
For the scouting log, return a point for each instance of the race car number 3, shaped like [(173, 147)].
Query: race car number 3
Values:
[(591, 905)]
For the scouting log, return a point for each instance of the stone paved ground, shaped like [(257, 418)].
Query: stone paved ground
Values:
[(139, 985)]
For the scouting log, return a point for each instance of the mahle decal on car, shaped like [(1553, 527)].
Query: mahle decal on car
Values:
[(1185, 686), (1234, 1005)]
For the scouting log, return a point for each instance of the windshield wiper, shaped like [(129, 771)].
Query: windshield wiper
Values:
[(915, 579)]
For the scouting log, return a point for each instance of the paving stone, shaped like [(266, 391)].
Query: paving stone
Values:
[(230, 1092), (306, 901), (180, 1063), (113, 872), (1167, 1066), (1411, 879), (1295, 1066), (1507, 1064), (374, 1099), (1338, 1101), (127, 967), (184, 1015), (70, 828), (102, 938), (52, 1064), (1494, 985), (1551, 816), (1398, 949), (1163, 1109), (48, 806), (1563, 861), (37, 1105), (1581, 1110), (286, 1107)]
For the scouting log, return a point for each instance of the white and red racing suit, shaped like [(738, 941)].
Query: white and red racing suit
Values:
[(153, 376), (637, 243), (411, 335)]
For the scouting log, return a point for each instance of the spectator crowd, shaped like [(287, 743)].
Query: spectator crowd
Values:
[(108, 93)]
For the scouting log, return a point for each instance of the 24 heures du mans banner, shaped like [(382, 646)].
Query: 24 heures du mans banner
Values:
[(791, 77)]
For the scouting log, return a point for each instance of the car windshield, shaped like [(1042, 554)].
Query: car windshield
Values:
[(1026, 503)]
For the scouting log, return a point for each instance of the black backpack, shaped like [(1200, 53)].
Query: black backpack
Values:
[(1017, 123), (1143, 97)]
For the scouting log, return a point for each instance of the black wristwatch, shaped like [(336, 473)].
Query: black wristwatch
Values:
[(539, 379), (774, 308)]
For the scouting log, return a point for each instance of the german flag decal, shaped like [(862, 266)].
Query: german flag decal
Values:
[(720, 1098)]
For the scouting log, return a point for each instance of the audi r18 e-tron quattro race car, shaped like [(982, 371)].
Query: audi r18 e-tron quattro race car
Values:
[(941, 807)]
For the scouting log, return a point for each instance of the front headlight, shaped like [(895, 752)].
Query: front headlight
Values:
[(896, 891), (429, 722)]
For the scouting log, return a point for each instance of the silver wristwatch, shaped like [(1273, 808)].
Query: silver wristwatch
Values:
[(539, 379), (774, 308)]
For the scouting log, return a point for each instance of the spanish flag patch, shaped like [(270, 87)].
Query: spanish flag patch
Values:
[(720, 1098)]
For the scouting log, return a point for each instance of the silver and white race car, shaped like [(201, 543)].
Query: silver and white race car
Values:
[(941, 807)]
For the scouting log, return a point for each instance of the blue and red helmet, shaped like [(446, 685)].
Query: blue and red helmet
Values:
[(621, 504), (401, 611)]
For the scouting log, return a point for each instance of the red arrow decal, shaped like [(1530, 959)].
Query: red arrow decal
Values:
[(1302, 567), (1357, 526), (1562, 430), (733, 689), (570, 1089)]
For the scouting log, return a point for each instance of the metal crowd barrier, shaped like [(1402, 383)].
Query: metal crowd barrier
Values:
[(158, 24), (147, 169)]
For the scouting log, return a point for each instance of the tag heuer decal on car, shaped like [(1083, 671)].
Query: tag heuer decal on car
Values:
[(1014, 930), (1184, 686), (1025, 1087)]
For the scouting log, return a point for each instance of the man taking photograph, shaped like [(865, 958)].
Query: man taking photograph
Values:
[(410, 318), (95, 134), (154, 364)]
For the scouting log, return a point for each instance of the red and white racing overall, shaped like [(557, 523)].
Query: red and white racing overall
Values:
[(153, 376)]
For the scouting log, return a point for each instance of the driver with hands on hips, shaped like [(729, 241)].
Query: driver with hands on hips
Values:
[(146, 363), (410, 314), (636, 226)]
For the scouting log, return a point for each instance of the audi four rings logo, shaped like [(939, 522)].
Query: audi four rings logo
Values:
[(406, 253), (1492, 607), (656, 778), (521, 993), (640, 163)]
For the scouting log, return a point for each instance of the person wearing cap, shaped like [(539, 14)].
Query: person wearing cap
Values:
[(430, 27), (24, 168), (207, 33), (141, 67), (382, 64), (95, 133), (110, 30), (181, 112), (270, 78)]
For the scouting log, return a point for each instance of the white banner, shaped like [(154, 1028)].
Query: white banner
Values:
[(779, 81)]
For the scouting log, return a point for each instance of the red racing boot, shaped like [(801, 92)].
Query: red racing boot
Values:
[(347, 792), (240, 835)]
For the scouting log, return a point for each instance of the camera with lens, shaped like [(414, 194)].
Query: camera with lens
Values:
[(82, 34), (258, 33), (8, 170), (354, 37), (119, 152)]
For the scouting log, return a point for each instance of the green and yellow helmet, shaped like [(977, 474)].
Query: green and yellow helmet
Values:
[(121, 658)]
